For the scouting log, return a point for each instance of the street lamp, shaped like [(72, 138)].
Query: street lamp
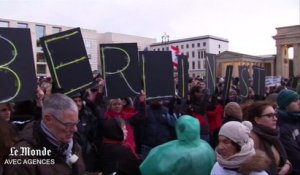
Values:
[(165, 40)]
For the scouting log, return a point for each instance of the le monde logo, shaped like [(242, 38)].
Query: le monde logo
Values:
[(21, 156)]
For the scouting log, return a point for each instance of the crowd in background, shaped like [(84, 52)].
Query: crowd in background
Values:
[(203, 134)]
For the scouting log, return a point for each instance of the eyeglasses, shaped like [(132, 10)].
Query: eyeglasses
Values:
[(68, 125), (270, 115)]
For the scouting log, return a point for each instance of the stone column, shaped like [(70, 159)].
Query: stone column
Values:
[(279, 61), (296, 60)]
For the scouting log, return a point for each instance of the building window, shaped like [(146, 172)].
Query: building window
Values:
[(158, 49), (204, 64), (40, 32), (198, 45), (87, 44), (193, 65), (182, 46), (219, 46), (89, 56), (56, 29), (193, 54), (163, 49), (187, 46), (41, 68), (202, 54), (4, 23), (199, 54), (204, 44), (167, 48), (22, 25), (199, 64), (187, 54), (40, 58), (153, 49), (193, 45)]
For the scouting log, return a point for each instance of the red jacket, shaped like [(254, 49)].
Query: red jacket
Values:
[(126, 116), (215, 118)]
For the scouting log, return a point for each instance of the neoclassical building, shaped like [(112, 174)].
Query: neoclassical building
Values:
[(236, 59), (286, 38)]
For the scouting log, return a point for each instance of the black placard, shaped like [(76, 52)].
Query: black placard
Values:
[(68, 61), (227, 84), (244, 81), (211, 72), (183, 76), (259, 80), (120, 69), (17, 72), (157, 73)]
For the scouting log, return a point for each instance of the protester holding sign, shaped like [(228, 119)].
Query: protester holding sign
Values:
[(115, 110)]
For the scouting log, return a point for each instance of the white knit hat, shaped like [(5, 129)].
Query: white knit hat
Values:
[(237, 131)]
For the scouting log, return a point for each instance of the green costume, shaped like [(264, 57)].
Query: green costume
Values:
[(188, 155)]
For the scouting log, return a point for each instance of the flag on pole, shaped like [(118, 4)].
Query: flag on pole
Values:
[(175, 52)]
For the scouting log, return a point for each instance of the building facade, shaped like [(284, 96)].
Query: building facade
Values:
[(195, 48), (238, 59), (288, 37), (91, 38)]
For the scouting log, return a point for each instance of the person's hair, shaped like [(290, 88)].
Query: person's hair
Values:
[(57, 104), (256, 109), (109, 104)]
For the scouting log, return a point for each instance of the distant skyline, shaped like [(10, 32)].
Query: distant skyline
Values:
[(248, 24)]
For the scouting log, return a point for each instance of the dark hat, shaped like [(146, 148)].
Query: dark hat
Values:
[(112, 129), (76, 95), (285, 97)]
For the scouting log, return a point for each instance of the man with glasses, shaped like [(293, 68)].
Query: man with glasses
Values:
[(289, 122), (47, 147)]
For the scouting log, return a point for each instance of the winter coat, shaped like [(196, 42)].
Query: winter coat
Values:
[(289, 124), (86, 136), (273, 149), (254, 166), (187, 155), (157, 127), (214, 118), (33, 137)]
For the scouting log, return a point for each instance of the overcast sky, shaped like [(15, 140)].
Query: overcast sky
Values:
[(248, 24)]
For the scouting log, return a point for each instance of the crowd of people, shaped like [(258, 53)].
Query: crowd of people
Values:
[(85, 133)]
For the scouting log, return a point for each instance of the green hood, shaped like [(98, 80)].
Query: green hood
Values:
[(188, 130)]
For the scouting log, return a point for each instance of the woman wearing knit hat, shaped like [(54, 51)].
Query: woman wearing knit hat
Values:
[(232, 112), (289, 124), (266, 136), (235, 151)]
